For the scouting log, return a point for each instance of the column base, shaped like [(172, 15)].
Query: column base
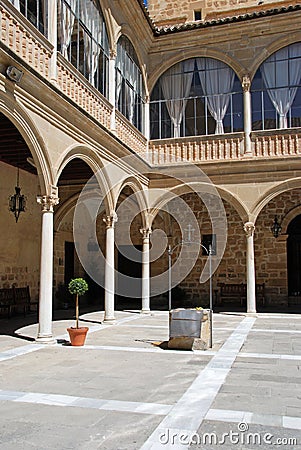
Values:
[(45, 340), (145, 311), (252, 313), (109, 320)]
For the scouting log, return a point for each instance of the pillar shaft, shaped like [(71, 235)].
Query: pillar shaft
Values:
[(110, 268), (251, 281), (112, 88), (246, 84), (145, 270), (52, 36), (46, 270)]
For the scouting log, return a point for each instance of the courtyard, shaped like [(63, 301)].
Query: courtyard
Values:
[(125, 391)]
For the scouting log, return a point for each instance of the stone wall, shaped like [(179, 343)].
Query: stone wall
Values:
[(270, 252), (168, 12), (19, 242)]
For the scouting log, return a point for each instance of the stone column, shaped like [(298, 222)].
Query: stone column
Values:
[(146, 232), (251, 283), (246, 85), (52, 37), (112, 87), (46, 268), (147, 118), (110, 268)]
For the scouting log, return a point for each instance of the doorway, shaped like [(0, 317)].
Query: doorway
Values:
[(129, 289), (294, 257)]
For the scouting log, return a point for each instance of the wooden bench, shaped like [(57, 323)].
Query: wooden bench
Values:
[(234, 292), (7, 301), (16, 300)]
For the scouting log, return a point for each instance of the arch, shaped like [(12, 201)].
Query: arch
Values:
[(30, 133), (288, 185), (185, 189), (200, 53), (88, 155), (291, 38), (291, 215), (139, 192), (126, 31), (113, 29), (194, 97)]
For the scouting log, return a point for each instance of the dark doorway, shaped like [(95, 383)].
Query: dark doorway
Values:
[(69, 262), (294, 257), (129, 264)]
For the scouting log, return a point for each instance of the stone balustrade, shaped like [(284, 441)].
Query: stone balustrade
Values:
[(75, 86), (20, 36), (129, 134), (196, 149), (269, 144)]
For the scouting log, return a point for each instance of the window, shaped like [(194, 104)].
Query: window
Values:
[(207, 240), (129, 83), (276, 93), (83, 40), (34, 11), (197, 15), (197, 96)]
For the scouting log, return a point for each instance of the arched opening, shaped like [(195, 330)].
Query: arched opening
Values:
[(20, 234), (83, 40), (198, 96), (276, 90), (68, 263), (128, 240), (294, 258), (129, 83)]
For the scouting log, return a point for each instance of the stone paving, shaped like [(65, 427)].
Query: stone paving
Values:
[(122, 391)]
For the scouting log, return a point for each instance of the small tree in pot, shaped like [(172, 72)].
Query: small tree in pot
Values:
[(77, 287)]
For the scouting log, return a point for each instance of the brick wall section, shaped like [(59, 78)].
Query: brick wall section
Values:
[(270, 253), (168, 12)]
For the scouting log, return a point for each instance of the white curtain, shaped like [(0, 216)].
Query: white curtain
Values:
[(217, 82), (16, 3), (91, 18), (67, 23), (130, 90), (118, 71), (281, 75), (176, 84)]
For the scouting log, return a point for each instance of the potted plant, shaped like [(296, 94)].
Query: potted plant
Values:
[(77, 287)]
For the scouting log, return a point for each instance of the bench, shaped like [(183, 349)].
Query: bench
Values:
[(15, 300), (231, 292), (7, 301)]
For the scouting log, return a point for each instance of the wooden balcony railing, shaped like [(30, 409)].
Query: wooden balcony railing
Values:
[(24, 39)]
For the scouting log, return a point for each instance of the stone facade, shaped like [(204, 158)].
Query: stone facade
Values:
[(169, 12)]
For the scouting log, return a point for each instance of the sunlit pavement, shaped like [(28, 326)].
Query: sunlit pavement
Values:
[(123, 391)]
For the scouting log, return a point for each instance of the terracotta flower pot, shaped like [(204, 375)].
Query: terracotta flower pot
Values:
[(77, 335)]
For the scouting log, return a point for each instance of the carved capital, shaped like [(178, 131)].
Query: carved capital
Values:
[(113, 53), (146, 232), (246, 83), (110, 220), (249, 229), (47, 202)]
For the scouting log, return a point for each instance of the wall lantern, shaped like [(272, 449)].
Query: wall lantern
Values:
[(17, 202), (276, 227)]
